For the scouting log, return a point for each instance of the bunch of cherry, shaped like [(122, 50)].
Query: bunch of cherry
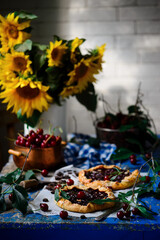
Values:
[(38, 139), (127, 212)]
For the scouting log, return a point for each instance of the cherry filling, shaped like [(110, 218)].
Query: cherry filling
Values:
[(112, 174), (75, 195)]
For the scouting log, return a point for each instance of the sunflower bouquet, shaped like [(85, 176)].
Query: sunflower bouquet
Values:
[(34, 75)]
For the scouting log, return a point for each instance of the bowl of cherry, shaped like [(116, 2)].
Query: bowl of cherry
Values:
[(44, 151)]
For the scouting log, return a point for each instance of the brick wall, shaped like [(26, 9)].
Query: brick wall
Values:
[(131, 30)]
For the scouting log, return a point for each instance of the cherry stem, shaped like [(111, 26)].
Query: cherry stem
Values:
[(22, 136), (139, 174)]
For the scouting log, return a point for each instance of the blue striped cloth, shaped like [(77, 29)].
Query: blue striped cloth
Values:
[(84, 156)]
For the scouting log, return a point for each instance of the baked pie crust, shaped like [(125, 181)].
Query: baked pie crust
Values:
[(126, 182), (90, 206)]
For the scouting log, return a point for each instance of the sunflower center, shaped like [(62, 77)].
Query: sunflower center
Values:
[(81, 70), (13, 32), (20, 63), (28, 92), (54, 53)]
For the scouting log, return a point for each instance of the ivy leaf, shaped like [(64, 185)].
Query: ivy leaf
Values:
[(11, 177), (20, 199), (2, 204), (29, 174), (56, 195), (26, 45), (88, 98), (65, 195)]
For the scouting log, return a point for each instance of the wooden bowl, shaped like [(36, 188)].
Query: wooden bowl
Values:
[(39, 158)]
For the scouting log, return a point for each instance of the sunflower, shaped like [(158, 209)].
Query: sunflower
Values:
[(11, 31), (55, 53), (97, 59), (27, 96), (74, 45), (82, 74), (17, 62), (68, 91)]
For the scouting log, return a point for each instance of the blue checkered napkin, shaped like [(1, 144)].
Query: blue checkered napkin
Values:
[(84, 156)]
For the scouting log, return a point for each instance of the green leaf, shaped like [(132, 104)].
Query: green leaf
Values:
[(32, 121), (11, 177), (133, 109), (88, 98), (25, 15), (145, 213), (2, 204), (26, 45), (124, 128), (136, 142), (29, 174), (64, 195), (56, 195), (20, 199), (121, 154), (41, 47), (0, 188), (94, 142)]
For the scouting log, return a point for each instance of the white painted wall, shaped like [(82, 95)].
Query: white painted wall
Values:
[(131, 30)]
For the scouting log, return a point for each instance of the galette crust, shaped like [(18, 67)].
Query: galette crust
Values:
[(127, 182), (90, 207)]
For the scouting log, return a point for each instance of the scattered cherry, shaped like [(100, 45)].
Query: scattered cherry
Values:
[(70, 182), (133, 161), (132, 156), (125, 206), (10, 196), (80, 195), (135, 211), (120, 214), (63, 214), (44, 207), (127, 213), (148, 155), (44, 172), (148, 179)]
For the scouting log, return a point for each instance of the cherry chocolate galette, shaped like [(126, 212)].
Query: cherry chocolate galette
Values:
[(79, 198), (104, 176)]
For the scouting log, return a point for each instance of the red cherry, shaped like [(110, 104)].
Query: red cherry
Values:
[(106, 177), (148, 179), (80, 195), (159, 185), (53, 138), (44, 172), (120, 215), (58, 139), (148, 155), (70, 182), (46, 136), (17, 142), (33, 135), (127, 214), (10, 196), (132, 156), (39, 131), (28, 143), (63, 214), (43, 144), (53, 143), (44, 207), (159, 173), (135, 211), (58, 186), (125, 206), (133, 161)]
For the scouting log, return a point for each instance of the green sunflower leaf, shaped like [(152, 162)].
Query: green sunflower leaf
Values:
[(32, 121), (88, 98), (25, 46), (25, 15)]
